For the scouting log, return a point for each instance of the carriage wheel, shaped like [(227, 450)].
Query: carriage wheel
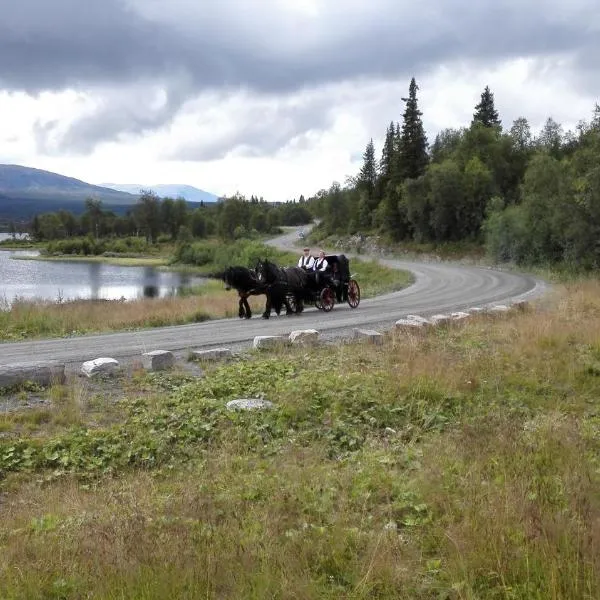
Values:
[(327, 299), (353, 293)]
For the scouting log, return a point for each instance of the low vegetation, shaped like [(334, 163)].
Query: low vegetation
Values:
[(457, 463)]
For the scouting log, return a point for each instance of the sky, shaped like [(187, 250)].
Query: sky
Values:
[(275, 98)]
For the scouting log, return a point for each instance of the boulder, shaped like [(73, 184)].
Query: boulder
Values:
[(100, 366), (269, 341), (499, 309), (440, 319), (212, 354), (457, 316), (407, 323), (304, 337), (369, 335), (158, 360), (42, 373), (475, 310), (249, 404), (418, 319)]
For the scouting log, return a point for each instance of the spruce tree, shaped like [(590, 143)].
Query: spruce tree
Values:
[(388, 155), (413, 156), (367, 178), (485, 111)]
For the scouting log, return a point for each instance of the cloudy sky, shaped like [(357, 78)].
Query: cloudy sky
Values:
[(272, 97)]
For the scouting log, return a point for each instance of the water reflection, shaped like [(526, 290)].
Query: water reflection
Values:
[(66, 280), (151, 289)]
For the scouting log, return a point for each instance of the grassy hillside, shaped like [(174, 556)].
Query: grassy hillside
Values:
[(458, 463)]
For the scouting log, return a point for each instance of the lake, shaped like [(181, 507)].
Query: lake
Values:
[(65, 280)]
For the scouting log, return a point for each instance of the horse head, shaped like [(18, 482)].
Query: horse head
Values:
[(264, 271)]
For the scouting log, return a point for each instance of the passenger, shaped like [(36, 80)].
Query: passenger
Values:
[(321, 263), (306, 261)]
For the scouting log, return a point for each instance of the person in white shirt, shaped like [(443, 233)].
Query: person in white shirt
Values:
[(306, 260), (321, 263)]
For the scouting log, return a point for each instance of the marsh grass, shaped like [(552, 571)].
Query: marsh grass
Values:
[(458, 463)]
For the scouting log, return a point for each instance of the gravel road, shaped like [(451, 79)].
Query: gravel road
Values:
[(438, 288)]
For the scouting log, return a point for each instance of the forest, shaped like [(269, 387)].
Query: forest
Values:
[(530, 199), (155, 219)]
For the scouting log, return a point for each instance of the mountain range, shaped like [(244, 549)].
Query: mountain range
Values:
[(25, 191), (166, 190)]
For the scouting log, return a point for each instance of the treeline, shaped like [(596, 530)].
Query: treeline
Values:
[(530, 199), (155, 219)]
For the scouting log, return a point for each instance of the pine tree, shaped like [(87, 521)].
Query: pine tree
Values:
[(485, 112), (367, 178), (413, 156), (388, 155)]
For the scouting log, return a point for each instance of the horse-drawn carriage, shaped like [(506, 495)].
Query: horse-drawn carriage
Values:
[(295, 286), (335, 284)]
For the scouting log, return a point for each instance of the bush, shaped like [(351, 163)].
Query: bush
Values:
[(242, 252)]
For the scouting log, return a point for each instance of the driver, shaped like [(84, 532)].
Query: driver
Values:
[(306, 261)]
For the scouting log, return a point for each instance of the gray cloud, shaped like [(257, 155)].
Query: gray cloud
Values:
[(261, 130), (216, 45)]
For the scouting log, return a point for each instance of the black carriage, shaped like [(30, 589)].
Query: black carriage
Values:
[(335, 284)]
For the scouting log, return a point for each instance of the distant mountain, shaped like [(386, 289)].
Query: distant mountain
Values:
[(25, 191), (167, 190)]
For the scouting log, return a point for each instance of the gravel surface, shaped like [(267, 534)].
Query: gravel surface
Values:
[(438, 288)]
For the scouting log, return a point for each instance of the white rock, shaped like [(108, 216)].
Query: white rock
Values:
[(499, 308), (408, 324), (304, 336), (42, 373), (457, 316), (212, 354), (418, 319), (476, 310), (249, 404), (269, 341), (100, 366), (370, 335), (439, 319), (158, 360)]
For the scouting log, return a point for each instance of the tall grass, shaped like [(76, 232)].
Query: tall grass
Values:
[(458, 463)]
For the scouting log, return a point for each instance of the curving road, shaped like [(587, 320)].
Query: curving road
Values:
[(438, 288)]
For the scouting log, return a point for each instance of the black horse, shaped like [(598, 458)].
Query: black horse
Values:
[(246, 283), (283, 284)]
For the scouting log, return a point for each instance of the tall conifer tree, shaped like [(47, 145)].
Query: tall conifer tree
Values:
[(485, 111), (413, 158)]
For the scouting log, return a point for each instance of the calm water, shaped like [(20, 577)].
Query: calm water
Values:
[(72, 280)]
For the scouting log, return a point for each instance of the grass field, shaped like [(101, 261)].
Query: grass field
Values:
[(462, 462)]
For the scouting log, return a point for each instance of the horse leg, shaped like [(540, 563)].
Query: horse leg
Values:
[(267, 312), (247, 307), (289, 309), (241, 311)]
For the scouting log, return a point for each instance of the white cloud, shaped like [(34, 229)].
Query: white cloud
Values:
[(274, 97)]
